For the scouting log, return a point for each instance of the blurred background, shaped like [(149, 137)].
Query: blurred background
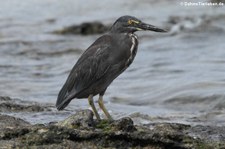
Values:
[(175, 77)]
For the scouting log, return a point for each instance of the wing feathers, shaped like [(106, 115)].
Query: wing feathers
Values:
[(91, 66)]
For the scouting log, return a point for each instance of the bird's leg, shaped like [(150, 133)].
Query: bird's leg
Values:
[(102, 106), (91, 103)]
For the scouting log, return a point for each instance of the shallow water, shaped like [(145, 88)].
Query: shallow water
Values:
[(175, 77)]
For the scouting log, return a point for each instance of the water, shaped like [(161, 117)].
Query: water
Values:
[(175, 77)]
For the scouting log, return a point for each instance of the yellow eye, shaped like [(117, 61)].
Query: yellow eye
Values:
[(129, 22), (132, 21)]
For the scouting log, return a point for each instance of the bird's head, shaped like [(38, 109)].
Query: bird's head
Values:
[(129, 24)]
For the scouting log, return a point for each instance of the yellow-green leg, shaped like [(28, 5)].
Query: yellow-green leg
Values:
[(102, 106), (91, 103)]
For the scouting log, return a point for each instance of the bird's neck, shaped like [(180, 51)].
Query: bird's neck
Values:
[(132, 35)]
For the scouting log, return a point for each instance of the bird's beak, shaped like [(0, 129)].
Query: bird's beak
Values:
[(144, 26)]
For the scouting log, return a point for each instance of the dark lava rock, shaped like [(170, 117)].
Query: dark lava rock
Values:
[(11, 122), (124, 124), (8, 104), (84, 29), (82, 119), (82, 131), (10, 128)]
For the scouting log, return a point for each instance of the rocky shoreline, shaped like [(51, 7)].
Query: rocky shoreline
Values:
[(81, 130), (87, 28)]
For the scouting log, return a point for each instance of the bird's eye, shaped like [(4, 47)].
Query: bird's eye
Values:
[(129, 22), (133, 22)]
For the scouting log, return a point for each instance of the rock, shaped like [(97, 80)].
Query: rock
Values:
[(82, 119), (8, 104), (125, 124), (10, 128), (82, 131), (11, 122), (84, 29)]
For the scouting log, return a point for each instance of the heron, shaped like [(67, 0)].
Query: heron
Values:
[(102, 62)]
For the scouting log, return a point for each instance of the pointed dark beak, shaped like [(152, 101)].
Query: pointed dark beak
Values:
[(144, 26)]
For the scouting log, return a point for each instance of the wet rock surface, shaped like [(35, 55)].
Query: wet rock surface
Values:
[(86, 28), (81, 130), (8, 104)]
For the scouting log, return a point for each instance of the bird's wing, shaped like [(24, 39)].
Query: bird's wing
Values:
[(90, 67)]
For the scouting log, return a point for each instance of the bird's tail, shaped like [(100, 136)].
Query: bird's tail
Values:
[(63, 99)]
